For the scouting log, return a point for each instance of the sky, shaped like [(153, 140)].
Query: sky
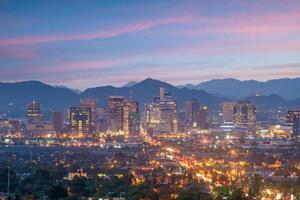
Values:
[(82, 44)]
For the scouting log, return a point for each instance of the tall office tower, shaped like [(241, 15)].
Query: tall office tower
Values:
[(58, 121), (102, 124), (115, 113), (293, 119), (192, 108), (80, 120), (34, 115), (244, 115), (195, 114), (93, 105), (67, 117), (164, 93), (131, 118), (228, 112), (152, 118), (162, 113), (202, 117)]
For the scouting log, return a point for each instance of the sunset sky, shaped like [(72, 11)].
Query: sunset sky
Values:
[(84, 44)]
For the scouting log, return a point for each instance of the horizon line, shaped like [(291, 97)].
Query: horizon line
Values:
[(139, 81)]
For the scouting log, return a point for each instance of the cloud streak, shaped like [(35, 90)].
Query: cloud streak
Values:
[(103, 34)]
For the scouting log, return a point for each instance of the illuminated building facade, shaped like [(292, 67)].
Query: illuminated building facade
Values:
[(131, 118), (80, 120), (9, 126), (244, 115), (275, 131), (293, 119), (34, 115), (93, 105), (228, 112), (162, 114), (115, 113)]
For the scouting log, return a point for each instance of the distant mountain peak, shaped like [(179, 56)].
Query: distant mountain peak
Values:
[(130, 84), (65, 87), (230, 87)]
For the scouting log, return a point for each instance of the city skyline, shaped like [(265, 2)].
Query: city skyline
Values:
[(111, 43), (150, 100)]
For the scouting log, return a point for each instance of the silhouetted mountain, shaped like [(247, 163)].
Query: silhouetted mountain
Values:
[(72, 89), (270, 101), (273, 101), (130, 84), (287, 88), (146, 89), (15, 96)]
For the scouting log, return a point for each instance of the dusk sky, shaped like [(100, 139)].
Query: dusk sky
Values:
[(84, 44)]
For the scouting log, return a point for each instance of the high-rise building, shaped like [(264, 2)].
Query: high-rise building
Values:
[(80, 120), (34, 115), (244, 115), (115, 113), (202, 117), (58, 121), (131, 118), (293, 119), (228, 112), (195, 114), (164, 94), (102, 123), (162, 113), (192, 108), (93, 105)]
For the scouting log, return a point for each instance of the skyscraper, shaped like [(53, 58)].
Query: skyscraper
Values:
[(195, 114), (93, 105), (162, 113), (115, 113), (164, 94), (80, 120), (228, 112), (58, 121), (202, 117), (293, 119), (244, 115), (131, 118), (192, 108), (34, 115)]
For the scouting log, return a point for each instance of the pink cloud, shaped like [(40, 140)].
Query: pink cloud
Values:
[(17, 54), (132, 28)]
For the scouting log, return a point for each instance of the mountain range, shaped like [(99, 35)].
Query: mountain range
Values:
[(233, 88), (15, 96)]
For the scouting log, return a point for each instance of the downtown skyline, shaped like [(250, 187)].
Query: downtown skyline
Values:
[(110, 43)]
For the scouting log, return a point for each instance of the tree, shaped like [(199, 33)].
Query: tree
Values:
[(79, 185), (13, 179), (58, 192), (230, 193), (196, 192), (38, 183)]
